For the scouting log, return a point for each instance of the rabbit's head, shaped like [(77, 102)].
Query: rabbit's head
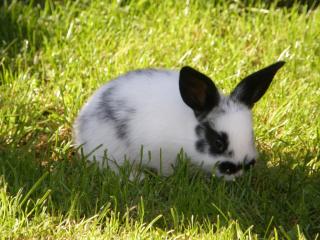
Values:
[(225, 137)]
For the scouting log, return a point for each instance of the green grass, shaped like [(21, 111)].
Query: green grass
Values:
[(53, 55)]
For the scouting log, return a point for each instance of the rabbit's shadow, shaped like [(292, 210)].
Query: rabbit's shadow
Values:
[(281, 191)]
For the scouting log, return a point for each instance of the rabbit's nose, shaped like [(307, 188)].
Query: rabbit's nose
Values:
[(250, 164), (229, 167)]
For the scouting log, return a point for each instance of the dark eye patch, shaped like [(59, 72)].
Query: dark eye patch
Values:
[(210, 140), (200, 131), (201, 145)]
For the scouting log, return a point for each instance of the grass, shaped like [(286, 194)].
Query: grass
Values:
[(53, 55)]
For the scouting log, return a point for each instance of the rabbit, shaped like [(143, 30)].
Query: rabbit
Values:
[(148, 116)]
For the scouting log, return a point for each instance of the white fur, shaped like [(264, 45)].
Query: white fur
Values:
[(237, 122), (160, 120)]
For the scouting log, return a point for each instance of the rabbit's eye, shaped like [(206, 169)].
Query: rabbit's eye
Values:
[(217, 141), (219, 144)]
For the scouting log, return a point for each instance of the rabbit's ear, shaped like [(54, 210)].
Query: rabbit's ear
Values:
[(254, 86), (197, 90)]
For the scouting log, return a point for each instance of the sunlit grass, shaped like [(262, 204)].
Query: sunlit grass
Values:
[(54, 55)]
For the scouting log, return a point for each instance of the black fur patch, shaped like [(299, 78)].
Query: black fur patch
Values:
[(122, 129), (218, 144), (106, 108), (229, 168), (217, 141), (201, 145), (199, 131), (197, 90), (210, 140), (254, 86), (115, 110)]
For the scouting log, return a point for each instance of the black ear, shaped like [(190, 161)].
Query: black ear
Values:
[(197, 90), (254, 86)]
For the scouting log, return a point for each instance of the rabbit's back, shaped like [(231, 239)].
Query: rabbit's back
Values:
[(141, 108)]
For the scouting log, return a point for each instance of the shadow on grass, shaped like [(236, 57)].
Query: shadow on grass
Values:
[(283, 195), (25, 27), (308, 4), (22, 32)]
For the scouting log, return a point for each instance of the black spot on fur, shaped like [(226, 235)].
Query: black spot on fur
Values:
[(217, 141), (122, 129), (201, 145), (116, 111), (229, 168), (199, 131), (210, 140), (232, 168), (106, 108)]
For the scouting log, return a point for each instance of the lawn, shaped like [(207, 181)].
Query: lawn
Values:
[(54, 54)]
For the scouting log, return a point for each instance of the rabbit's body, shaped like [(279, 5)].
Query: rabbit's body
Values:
[(148, 115), (141, 108)]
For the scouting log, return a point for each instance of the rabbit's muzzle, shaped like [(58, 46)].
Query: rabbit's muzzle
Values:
[(230, 168)]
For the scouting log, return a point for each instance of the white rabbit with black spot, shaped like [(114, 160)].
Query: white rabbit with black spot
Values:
[(167, 111)]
